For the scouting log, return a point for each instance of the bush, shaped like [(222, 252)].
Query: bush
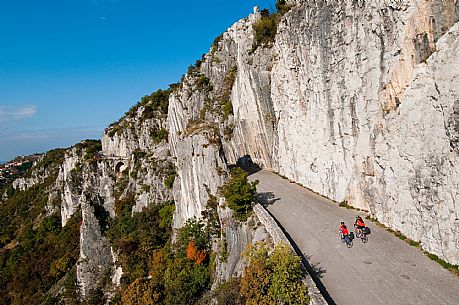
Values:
[(187, 276), (169, 181), (91, 147), (227, 109), (217, 41), (136, 237), (282, 7), (155, 104), (239, 193), (193, 231), (266, 28), (42, 257), (166, 214), (274, 278), (185, 282), (227, 106), (141, 291), (228, 293), (159, 135)]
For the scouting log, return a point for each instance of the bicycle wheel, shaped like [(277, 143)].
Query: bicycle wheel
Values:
[(364, 238), (349, 243)]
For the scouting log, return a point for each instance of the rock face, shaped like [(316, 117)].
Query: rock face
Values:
[(132, 163), (196, 147), (357, 101), (364, 96)]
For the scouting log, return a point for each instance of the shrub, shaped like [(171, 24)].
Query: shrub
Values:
[(42, 257), (227, 109), (169, 181), (159, 135), (239, 193), (166, 214), (141, 291), (193, 253), (202, 82), (91, 147), (225, 99), (187, 276), (217, 41), (114, 129), (274, 278), (228, 293), (185, 282), (136, 237), (148, 113), (266, 28), (193, 231), (155, 104), (282, 7), (145, 188)]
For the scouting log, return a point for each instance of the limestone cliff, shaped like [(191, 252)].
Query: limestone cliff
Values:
[(365, 95), (132, 161), (356, 100)]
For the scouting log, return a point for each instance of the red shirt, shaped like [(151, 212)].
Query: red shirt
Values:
[(344, 230), (360, 222)]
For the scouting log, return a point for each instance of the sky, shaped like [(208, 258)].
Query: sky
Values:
[(69, 68)]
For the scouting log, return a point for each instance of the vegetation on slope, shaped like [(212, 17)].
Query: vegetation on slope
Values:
[(154, 105), (273, 278), (239, 193), (35, 251), (157, 271), (265, 28)]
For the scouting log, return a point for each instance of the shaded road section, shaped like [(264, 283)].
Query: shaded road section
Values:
[(386, 270)]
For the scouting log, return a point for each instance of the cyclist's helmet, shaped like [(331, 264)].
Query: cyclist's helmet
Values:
[(342, 222), (357, 216)]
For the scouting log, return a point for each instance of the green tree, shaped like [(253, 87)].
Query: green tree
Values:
[(239, 193), (274, 278)]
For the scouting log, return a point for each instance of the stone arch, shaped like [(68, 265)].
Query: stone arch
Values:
[(120, 167)]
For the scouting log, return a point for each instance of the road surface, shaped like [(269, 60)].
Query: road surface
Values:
[(386, 270)]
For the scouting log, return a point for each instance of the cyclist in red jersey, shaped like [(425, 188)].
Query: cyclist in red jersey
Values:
[(343, 230), (359, 224)]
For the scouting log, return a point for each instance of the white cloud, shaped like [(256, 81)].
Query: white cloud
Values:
[(8, 114)]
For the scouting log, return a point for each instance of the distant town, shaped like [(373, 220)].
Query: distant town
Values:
[(14, 168)]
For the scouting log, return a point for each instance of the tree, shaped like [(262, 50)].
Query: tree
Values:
[(274, 278), (239, 193)]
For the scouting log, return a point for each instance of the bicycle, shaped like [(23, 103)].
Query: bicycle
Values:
[(361, 234), (347, 239)]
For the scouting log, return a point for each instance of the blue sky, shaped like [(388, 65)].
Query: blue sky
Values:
[(68, 68)]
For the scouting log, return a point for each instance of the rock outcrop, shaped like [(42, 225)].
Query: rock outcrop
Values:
[(130, 163)]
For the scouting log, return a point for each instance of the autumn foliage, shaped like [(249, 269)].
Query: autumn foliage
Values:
[(193, 253)]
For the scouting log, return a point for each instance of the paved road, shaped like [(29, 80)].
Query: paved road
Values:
[(385, 271)]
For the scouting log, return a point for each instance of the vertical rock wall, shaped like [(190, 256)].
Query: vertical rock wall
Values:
[(364, 95), (196, 147)]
